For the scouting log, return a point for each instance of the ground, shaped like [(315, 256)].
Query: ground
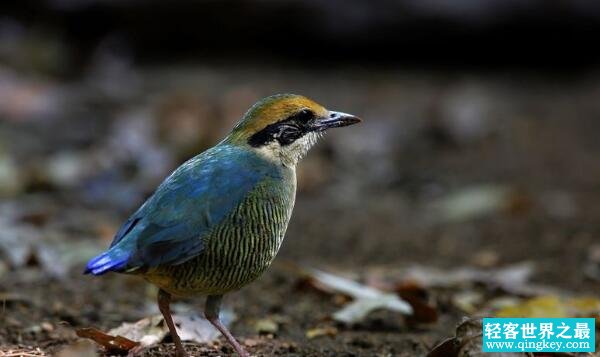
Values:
[(445, 172)]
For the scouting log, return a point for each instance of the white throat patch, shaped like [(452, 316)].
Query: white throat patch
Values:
[(289, 155)]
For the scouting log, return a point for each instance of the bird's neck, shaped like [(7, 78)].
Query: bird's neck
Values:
[(272, 152), (285, 155)]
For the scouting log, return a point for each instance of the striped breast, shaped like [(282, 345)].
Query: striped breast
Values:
[(240, 248)]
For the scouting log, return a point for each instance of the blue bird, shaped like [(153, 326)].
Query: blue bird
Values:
[(217, 222)]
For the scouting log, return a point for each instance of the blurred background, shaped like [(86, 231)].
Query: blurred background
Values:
[(479, 150)]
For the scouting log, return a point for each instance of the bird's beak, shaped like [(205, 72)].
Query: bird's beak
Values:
[(336, 120)]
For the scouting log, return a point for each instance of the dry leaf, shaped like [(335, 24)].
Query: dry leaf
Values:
[(553, 306), (423, 310), (190, 327), (366, 299), (321, 331), (466, 343), (112, 344), (466, 340), (266, 326), (194, 327), (147, 331), (22, 352), (512, 279), (468, 301), (470, 203), (447, 348)]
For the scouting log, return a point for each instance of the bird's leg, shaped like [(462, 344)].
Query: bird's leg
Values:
[(164, 301), (211, 311)]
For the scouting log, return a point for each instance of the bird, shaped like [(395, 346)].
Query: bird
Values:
[(216, 223)]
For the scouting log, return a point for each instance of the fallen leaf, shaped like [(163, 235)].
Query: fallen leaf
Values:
[(366, 299), (485, 258), (266, 326), (423, 309), (147, 331), (553, 306), (23, 243), (470, 203), (468, 301), (60, 256), (67, 168), (359, 309), (466, 342), (191, 326), (251, 342), (112, 344), (14, 297), (512, 279), (447, 348), (321, 331), (11, 180), (194, 327), (22, 352), (16, 241)]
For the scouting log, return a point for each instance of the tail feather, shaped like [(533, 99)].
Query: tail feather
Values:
[(107, 261)]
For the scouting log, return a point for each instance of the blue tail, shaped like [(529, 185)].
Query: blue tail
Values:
[(112, 260)]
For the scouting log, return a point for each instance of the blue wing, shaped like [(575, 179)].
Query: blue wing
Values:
[(169, 228)]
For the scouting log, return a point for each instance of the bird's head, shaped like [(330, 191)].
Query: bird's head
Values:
[(284, 127)]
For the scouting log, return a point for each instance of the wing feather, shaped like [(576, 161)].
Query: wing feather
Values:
[(171, 227)]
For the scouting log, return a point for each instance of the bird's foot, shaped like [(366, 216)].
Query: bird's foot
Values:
[(232, 341), (235, 349), (239, 349), (179, 351), (211, 311)]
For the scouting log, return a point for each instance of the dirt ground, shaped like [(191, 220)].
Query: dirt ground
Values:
[(373, 201)]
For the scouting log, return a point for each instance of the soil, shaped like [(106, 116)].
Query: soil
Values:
[(357, 217)]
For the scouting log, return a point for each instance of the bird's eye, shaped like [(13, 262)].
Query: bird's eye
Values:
[(289, 134), (304, 115)]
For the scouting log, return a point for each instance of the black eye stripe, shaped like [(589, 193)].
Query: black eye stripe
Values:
[(285, 131)]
